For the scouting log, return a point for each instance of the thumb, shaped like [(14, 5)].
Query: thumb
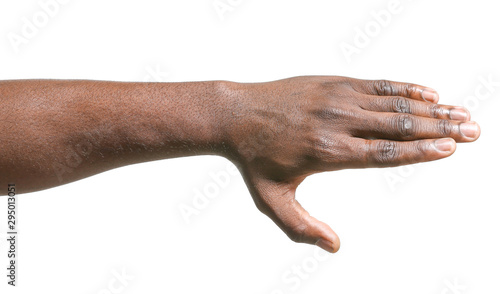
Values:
[(277, 201)]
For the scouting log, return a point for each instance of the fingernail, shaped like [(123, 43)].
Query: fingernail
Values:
[(459, 114), (326, 245), (445, 144), (469, 129), (430, 95)]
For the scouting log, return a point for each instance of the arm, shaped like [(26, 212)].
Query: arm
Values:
[(56, 132), (277, 133)]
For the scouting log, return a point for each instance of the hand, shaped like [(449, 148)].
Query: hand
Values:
[(283, 131)]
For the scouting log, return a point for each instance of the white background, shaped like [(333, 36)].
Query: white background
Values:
[(427, 228)]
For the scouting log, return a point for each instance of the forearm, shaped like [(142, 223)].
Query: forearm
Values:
[(54, 132)]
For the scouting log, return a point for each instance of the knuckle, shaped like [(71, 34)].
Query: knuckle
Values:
[(384, 88), (445, 127), (328, 113), (421, 148), (320, 147), (327, 151), (297, 233), (405, 125), (401, 105), (386, 152), (262, 206), (408, 89), (327, 84), (435, 111)]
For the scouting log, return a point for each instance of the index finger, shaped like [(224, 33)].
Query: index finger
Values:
[(390, 88)]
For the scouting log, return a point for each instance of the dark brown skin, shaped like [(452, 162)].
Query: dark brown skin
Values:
[(54, 132)]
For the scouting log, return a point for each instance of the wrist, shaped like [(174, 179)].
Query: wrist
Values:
[(238, 121), (228, 104)]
